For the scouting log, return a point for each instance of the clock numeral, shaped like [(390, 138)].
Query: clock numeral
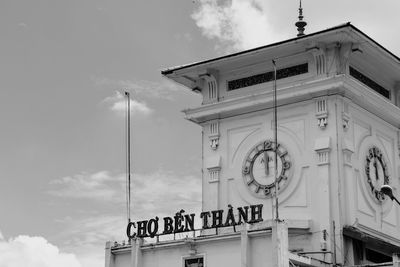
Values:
[(250, 182), (267, 191), (267, 145), (283, 154), (282, 177), (286, 165)]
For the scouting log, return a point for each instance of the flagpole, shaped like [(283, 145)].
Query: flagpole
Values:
[(276, 144), (128, 154)]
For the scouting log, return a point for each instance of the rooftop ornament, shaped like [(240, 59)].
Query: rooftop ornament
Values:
[(300, 24)]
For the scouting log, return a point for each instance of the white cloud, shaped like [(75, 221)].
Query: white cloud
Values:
[(86, 236), (34, 252), (140, 88), (118, 104), (152, 193), (236, 24), (97, 186), (160, 193)]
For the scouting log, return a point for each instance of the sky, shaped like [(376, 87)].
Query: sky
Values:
[(64, 66)]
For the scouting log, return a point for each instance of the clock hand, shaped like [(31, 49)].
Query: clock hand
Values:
[(266, 162), (376, 170)]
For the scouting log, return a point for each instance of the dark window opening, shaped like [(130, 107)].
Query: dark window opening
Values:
[(194, 262), (370, 83), (358, 249), (376, 257), (267, 77)]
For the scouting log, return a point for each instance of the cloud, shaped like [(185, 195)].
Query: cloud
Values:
[(152, 193), (118, 104), (235, 24), (159, 193), (34, 252), (96, 186), (164, 192), (140, 88)]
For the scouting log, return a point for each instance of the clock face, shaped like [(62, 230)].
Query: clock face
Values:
[(259, 168), (376, 171)]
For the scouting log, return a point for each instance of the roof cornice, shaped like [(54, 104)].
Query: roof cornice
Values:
[(169, 71)]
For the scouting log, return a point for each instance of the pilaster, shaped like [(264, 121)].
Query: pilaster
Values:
[(280, 241), (108, 257), (213, 165), (244, 248), (349, 180), (322, 147), (136, 252)]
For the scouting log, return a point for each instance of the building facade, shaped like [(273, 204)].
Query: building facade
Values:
[(338, 142)]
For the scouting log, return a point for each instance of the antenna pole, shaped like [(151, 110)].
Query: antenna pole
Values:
[(276, 144), (128, 154)]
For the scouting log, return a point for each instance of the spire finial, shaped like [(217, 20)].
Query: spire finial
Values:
[(300, 24)]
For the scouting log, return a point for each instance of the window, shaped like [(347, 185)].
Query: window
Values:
[(369, 82), (194, 262), (268, 76), (376, 257)]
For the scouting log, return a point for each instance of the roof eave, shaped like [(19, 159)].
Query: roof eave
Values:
[(169, 71)]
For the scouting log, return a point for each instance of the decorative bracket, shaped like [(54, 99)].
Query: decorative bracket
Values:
[(321, 106), (322, 146), (212, 85), (318, 53), (348, 150), (213, 165), (214, 134), (345, 116), (345, 121)]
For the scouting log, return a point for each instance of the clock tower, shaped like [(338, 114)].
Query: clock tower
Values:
[(338, 120), (307, 128)]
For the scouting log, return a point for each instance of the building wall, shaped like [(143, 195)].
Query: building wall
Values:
[(327, 122), (367, 130)]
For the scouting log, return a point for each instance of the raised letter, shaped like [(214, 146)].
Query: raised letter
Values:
[(142, 227), (243, 214), (168, 225), (256, 211), (204, 215), (189, 222), (129, 229), (152, 230), (178, 222), (217, 218), (230, 218)]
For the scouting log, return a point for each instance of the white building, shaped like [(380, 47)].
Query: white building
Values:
[(339, 140)]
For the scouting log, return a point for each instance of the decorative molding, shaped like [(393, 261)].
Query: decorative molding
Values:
[(213, 175), (348, 151), (321, 112), (319, 59), (213, 165), (345, 121), (323, 146), (211, 85), (214, 134)]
